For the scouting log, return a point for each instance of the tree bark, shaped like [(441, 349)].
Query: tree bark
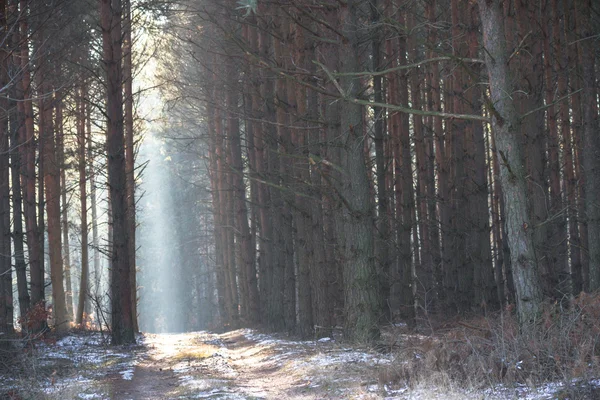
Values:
[(33, 229), (52, 192), (591, 139), (129, 153), (17, 153), (60, 143), (123, 327), (84, 284), (362, 301), (6, 290), (507, 129)]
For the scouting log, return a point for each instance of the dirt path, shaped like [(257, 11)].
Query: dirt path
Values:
[(235, 365)]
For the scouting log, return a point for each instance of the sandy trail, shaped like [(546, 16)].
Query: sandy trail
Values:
[(202, 365)]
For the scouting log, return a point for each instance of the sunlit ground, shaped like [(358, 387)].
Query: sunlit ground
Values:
[(242, 364)]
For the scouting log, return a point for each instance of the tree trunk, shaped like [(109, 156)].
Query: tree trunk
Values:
[(60, 143), (94, 206), (215, 176), (478, 235), (244, 238), (362, 301), (561, 60), (305, 252), (441, 167), (591, 139), (382, 239), (129, 153), (17, 153), (507, 129), (6, 290), (424, 270), (528, 69), (52, 193), (84, 285), (123, 327), (404, 189), (33, 229), (557, 230)]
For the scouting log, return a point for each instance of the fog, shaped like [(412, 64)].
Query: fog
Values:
[(158, 258)]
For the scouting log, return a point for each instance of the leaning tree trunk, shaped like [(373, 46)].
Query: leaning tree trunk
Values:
[(506, 128)]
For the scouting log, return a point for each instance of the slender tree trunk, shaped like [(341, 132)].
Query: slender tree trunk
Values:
[(557, 229), (244, 238), (424, 269), (84, 285), (94, 206), (404, 189), (383, 223), (215, 176), (33, 233), (6, 290), (261, 109), (442, 170), (226, 294), (561, 59), (17, 138), (52, 190), (574, 74), (60, 143), (306, 253), (332, 206), (129, 153), (231, 282)]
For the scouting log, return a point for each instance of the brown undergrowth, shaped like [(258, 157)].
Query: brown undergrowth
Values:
[(562, 345)]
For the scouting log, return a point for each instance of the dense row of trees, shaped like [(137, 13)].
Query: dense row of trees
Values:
[(66, 77), (374, 160), (365, 160)]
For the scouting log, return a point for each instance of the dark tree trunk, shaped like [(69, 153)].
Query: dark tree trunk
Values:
[(129, 154), (33, 229), (17, 153), (591, 139), (52, 193), (6, 291), (123, 327)]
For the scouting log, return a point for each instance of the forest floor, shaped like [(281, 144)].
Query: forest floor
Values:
[(242, 364)]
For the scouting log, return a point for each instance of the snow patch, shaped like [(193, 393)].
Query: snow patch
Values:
[(127, 374), (89, 396)]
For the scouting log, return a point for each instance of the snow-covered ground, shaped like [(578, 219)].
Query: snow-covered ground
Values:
[(242, 364)]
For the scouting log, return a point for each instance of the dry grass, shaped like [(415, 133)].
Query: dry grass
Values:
[(563, 345), (197, 353)]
